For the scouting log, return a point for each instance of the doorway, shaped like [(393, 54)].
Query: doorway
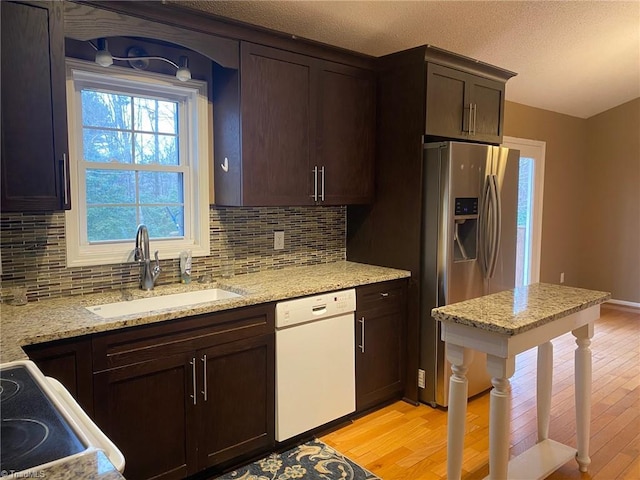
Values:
[(530, 192)]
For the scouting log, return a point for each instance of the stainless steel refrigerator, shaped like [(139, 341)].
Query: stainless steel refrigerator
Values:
[(468, 245)]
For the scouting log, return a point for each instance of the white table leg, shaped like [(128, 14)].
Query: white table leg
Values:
[(501, 369), (543, 388), (583, 393), (460, 358)]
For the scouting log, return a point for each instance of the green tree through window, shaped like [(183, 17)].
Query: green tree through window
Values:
[(132, 166)]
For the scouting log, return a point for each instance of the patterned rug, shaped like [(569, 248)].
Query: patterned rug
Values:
[(311, 460)]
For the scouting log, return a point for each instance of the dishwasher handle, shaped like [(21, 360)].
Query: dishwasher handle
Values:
[(319, 309)]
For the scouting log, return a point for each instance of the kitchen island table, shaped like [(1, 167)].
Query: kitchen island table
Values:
[(503, 325)]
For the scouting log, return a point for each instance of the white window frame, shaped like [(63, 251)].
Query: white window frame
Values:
[(194, 151)]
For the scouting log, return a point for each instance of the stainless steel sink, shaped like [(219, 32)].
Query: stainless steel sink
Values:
[(161, 302)]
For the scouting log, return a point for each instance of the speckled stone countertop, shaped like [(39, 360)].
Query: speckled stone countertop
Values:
[(524, 308), (67, 317), (90, 465)]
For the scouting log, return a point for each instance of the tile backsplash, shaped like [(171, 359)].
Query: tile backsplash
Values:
[(33, 249)]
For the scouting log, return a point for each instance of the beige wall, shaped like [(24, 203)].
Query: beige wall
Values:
[(611, 224), (565, 175), (591, 217)]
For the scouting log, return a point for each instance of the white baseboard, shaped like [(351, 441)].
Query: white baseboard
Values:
[(623, 304)]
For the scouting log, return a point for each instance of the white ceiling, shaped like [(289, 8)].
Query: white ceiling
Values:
[(574, 57)]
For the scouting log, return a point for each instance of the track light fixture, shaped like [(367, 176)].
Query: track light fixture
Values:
[(138, 59)]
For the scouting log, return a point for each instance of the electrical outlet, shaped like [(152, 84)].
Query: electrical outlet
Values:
[(278, 239), (420, 378), (561, 277)]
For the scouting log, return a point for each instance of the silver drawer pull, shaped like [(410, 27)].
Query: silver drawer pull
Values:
[(361, 346), (193, 376), (315, 183), (204, 376), (384, 294)]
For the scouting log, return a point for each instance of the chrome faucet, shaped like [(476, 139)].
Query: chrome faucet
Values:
[(141, 254)]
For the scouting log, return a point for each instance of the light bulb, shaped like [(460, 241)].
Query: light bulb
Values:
[(183, 74), (103, 56)]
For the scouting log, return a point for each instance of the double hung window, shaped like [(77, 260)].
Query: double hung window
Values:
[(139, 155)]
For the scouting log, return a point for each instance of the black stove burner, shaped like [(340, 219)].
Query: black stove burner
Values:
[(20, 436), (33, 432), (8, 388)]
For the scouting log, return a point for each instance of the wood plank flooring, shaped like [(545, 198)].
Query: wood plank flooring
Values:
[(403, 442)]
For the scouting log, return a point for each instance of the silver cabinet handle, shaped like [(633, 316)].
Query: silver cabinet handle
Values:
[(193, 377), (204, 376), (322, 187), (475, 114), (469, 119), (65, 174), (361, 346), (384, 294), (315, 184)]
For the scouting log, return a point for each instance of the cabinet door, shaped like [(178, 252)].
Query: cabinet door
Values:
[(147, 410), (69, 362), (447, 107), (488, 99), (278, 127), (237, 417), (379, 324), (346, 134), (34, 116)]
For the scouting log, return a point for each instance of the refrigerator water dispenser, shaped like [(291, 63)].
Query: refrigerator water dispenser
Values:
[(465, 230)]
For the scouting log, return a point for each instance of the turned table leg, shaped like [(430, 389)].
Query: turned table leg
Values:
[(501, 369), (543, 388), (583, 393), (460, 358)]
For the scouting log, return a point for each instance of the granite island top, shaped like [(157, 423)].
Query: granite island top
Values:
[(524, 308), (67, 317)]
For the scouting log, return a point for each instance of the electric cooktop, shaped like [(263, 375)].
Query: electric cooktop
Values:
[(33, 432)]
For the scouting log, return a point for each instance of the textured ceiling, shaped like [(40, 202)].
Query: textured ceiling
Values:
[(574, 57)]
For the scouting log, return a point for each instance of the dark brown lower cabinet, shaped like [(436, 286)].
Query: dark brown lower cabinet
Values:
[(69, 362), (380, 339), (237, 416), (196, 393), (146, 410)]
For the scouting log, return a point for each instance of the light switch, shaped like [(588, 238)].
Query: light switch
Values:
[(278, 239)]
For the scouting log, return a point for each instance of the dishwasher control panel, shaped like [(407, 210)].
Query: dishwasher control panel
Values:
[(308, 309)]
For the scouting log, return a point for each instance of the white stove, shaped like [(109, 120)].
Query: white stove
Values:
[(41, 423)]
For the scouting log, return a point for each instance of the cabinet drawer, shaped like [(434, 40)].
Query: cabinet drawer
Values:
[(385, 295), (139, 344)]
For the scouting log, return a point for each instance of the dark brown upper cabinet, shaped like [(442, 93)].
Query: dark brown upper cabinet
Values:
[(290, 129), (34, 160), (464, 97), (346, 134), (463, 106)]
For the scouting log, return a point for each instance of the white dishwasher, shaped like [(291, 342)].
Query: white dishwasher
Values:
[(315, 361)]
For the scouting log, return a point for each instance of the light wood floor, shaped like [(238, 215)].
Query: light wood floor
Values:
[(403, 442)]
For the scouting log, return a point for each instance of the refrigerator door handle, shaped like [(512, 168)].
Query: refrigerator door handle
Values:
[(484, 228), (496, 226)]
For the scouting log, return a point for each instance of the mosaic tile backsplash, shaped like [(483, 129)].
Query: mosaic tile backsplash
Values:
[(33, 249)]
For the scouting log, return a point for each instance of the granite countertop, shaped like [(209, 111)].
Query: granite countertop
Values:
[(515, 311), (90, 465), (67, 317)]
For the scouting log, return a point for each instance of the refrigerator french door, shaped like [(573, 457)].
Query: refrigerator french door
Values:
[(470, 195)]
